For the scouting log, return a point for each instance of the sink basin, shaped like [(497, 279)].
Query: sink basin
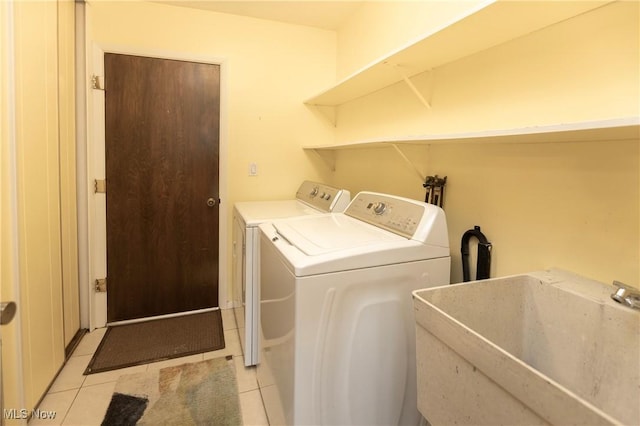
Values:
[(546, 347)]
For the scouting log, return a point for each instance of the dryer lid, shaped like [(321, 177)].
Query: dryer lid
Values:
[(253, 213), (330, 233)]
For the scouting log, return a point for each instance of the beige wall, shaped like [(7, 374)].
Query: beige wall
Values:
[(378, 28), (268, 69), (574, 206)]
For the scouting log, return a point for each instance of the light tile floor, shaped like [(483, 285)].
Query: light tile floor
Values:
[(83, 400)]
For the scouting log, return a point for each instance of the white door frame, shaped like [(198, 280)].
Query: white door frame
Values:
[(95, 166)]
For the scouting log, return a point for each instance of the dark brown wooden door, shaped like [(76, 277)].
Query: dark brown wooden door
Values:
[(162, 144)]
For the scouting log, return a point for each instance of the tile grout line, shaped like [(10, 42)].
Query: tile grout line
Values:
[(70, 405)]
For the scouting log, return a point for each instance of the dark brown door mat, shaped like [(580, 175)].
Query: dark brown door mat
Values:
[(156, 340)]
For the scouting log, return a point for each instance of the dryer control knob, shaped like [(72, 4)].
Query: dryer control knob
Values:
[(314, 192), (379, 208)]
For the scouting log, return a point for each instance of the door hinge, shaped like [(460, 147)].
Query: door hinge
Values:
[(101, 285), (100, 186), (95, 83)]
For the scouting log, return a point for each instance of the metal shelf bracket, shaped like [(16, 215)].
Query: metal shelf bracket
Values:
[(327, 156), (401, 71), (328, 112), (409, 162)]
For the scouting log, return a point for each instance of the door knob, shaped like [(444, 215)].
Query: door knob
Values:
[(211, 202), (7, 312)]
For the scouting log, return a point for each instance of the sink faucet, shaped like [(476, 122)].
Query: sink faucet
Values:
[(628, 296)]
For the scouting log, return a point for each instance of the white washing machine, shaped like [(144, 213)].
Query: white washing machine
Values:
[(311, 199), (336, 313)]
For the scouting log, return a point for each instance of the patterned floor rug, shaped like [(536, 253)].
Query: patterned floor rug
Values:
[(201, 393)]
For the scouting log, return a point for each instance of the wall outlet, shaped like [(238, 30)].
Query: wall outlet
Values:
[(253, 169)]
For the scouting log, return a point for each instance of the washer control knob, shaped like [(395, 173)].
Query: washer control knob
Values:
[(314, 192), (379, 208)]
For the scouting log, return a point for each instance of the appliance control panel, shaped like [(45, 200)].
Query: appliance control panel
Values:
[(396, 214), (323, 197)]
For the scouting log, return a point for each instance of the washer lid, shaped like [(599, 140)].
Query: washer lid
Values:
[(330, 233)]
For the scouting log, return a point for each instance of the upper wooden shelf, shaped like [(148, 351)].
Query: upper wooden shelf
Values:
[(588, 131), (618, 129), (489, 24)]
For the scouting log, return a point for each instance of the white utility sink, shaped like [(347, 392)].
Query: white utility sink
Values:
[(546, 347)]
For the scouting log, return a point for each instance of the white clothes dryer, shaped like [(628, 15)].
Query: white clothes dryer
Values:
[(336, 313), (311, 198)]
